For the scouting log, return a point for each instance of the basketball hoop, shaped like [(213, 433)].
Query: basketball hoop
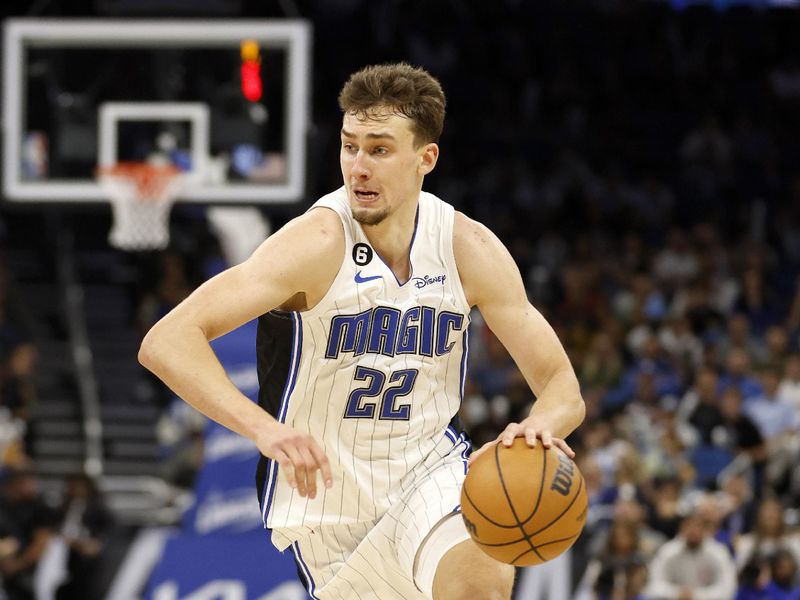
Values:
[(141, 196)]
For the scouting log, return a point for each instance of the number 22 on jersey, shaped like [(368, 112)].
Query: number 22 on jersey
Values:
[(359, 408)]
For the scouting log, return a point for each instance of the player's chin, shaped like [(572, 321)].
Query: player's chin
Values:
[(368, 216)]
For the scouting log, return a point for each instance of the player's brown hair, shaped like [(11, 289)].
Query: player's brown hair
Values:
[(410, 91)]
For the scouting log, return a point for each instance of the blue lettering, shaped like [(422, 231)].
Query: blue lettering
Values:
[(383, 333), (354, 329), (388, 331), (447, 322), (426, 335), (409, 334)]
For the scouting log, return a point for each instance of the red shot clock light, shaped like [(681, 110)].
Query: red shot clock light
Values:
[(251, 70)]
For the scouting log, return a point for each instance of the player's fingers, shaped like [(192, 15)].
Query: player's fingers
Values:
[(323, 463), (287, 468), (530, 437), (311, 472), (480, 451), (298, 463), (547, 438), (513, 430), (564, 447)]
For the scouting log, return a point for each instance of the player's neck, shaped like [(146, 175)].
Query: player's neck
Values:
[(391, 239)]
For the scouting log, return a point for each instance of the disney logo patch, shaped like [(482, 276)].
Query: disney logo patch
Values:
[(425, 280)]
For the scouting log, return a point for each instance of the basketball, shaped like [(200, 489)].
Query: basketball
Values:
[(524, 506)]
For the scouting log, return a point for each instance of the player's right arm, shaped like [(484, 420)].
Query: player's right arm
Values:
[(295, 266)]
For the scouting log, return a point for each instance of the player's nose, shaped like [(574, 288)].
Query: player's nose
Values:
[(360, 168)]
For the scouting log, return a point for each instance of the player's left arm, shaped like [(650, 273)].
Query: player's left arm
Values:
[(492, 282)]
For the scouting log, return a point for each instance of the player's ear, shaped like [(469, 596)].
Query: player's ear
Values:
[(429, 154)]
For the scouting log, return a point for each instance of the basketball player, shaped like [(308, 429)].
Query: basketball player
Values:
[(363, 306)]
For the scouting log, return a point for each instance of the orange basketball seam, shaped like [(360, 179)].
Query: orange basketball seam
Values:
[(518, 540), (508, 497), (522, 539), (563, 512), (542, 545), (541, 484), (478, 510)]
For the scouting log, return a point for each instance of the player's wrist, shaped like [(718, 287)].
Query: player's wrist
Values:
[(262, 429)]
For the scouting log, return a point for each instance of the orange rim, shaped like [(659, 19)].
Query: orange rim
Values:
[(150, 180)]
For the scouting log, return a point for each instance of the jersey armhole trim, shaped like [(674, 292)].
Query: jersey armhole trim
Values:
[(347, 244), (450, 256)]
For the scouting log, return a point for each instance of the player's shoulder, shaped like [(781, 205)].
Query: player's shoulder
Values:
[(482, 260), (471, 238), (307, 245), (321, 224)]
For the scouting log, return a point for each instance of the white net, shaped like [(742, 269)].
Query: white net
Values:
[(141, 197)]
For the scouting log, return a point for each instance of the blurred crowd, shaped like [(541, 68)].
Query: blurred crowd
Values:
[(651, 200), (32, 527), (17, 364), (641, 165)]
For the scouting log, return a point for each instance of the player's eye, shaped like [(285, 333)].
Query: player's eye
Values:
[(348, 147), (381, 150)]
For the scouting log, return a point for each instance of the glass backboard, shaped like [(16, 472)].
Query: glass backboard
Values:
[(154, 80)]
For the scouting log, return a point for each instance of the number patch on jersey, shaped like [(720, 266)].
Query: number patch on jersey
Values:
[(357, 408), (362, 254)]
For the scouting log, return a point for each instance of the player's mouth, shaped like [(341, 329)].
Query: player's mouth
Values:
[(365, 196)]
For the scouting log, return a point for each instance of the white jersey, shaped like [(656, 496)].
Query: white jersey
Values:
[(374, 372)]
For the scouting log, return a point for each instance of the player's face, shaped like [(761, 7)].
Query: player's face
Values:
[(381, 166)]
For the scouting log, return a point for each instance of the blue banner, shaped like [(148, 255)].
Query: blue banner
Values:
[(223, 551), (224, 567)]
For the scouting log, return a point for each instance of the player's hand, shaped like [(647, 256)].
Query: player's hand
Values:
[(528, 429), (298, 456)]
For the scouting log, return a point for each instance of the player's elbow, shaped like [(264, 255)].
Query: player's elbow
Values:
[(149, 349), (579, 409)]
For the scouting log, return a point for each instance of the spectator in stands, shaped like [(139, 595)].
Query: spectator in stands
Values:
[(739, 335), (773, 415), (756, 302), (789, 388), (630, 510), (738, 433), (738, 373), (783, 583), (85, 521), (779, 424), (602, 366), (699, 408), (679, 341), (17, 360), (27, 520), (16, 381), (742, 504), (753, 578), (664, 506), (713, 509), (620, 564), (776, 343), (677, 264), (769, 535), (692, 566), (651, 363)]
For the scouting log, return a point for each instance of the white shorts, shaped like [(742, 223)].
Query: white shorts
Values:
[(394, 557)]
